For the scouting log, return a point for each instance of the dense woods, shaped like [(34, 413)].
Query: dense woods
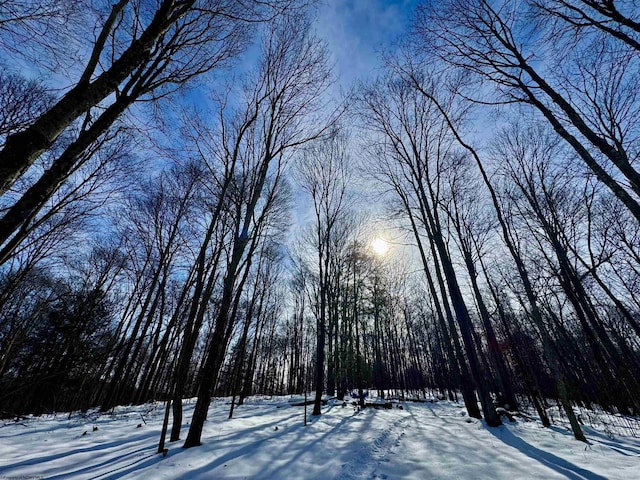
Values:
[(187, 209)]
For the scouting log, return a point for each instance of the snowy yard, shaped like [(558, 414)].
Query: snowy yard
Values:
[(267, 440)]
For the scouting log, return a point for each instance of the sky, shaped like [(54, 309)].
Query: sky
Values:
[(357, 30)]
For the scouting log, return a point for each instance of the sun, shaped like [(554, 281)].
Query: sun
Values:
[(379, 246)]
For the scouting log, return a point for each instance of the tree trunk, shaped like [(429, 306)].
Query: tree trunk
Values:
[(21, 149)]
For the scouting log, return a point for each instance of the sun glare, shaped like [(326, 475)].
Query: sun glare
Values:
[(379, 246)]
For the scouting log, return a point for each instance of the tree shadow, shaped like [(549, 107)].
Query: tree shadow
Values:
[(334, 432), (627, 450), (295, 432), (97, 447), (547, 459), (138, 460)]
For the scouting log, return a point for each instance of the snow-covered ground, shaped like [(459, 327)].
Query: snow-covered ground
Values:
[(266, 439)]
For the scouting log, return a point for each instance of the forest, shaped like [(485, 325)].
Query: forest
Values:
[(189, 208)]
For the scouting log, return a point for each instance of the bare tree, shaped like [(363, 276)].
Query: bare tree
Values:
[(100, 173), (592, 107), (43, 32), (156, 222), (140, 53), (426, 86), (415, 148), (577, 18), (470, 218), (324, 176), (548, 201), (21, 101), (258, 296), (285, 94)]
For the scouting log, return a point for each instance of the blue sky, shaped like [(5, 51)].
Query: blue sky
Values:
[(356, 31)]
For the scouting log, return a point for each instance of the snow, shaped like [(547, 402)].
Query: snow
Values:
[(421, 441)]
